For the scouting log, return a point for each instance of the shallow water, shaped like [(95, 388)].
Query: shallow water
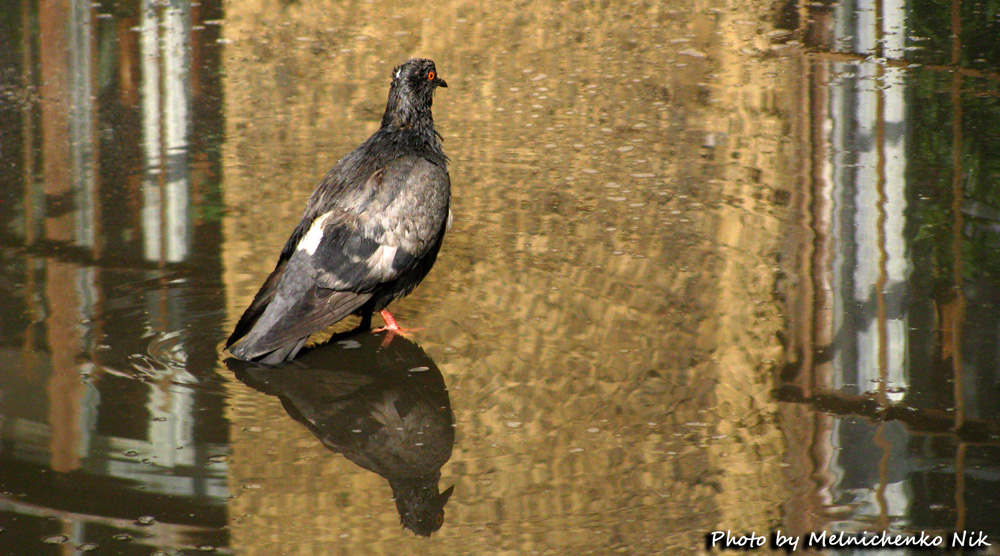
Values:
[(713, 267)]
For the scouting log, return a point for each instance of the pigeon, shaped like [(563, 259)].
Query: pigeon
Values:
[(370, 232)]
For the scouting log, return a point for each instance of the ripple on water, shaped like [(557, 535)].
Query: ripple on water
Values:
[(169, 349)]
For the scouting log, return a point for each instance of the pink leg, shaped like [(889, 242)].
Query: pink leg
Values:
[(391, 328), (390, 321)]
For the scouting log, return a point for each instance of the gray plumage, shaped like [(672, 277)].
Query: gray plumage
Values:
[(370, 232)]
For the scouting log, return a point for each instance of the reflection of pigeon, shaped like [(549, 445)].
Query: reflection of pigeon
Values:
[(384, 408), (370, 232)]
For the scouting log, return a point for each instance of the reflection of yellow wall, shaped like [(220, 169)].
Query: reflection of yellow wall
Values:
[(763, 110), (602, 308)]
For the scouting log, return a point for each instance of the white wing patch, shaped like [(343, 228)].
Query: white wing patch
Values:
[(310, 242), (380, 262), (448, 225)]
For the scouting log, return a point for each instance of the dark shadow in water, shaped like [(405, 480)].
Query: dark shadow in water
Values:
[(868, 406), (379, 400)]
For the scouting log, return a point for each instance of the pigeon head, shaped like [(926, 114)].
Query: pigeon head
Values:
[(412, 93), (420, 505), (417, 76)]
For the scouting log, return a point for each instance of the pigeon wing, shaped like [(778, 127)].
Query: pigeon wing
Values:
[(370, 235)]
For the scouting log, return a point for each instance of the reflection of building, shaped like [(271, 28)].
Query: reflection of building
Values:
[(865, 206), (893, 356), (104, 413)]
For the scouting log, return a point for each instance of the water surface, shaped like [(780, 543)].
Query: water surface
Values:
[(713, 267)]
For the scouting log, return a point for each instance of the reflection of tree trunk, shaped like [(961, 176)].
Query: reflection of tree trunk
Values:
[(53, 24), (65, 389)]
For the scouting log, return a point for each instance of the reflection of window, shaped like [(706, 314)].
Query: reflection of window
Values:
[(865, 132)]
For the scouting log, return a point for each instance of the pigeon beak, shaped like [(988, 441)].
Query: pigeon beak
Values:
[(440, 83), (444, 496)]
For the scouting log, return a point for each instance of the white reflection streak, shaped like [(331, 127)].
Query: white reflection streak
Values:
[(90, 403), (81, 120), (869, 224), (171, 424), (897, 264), (833, 170), (82, 149), (176, 92), (166, 123), (867, 240), (149, 37)]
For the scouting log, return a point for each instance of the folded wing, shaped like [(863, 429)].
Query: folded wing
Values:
[(345, 250)]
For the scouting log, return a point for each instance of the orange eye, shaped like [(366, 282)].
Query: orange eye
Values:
[(431, 75)]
